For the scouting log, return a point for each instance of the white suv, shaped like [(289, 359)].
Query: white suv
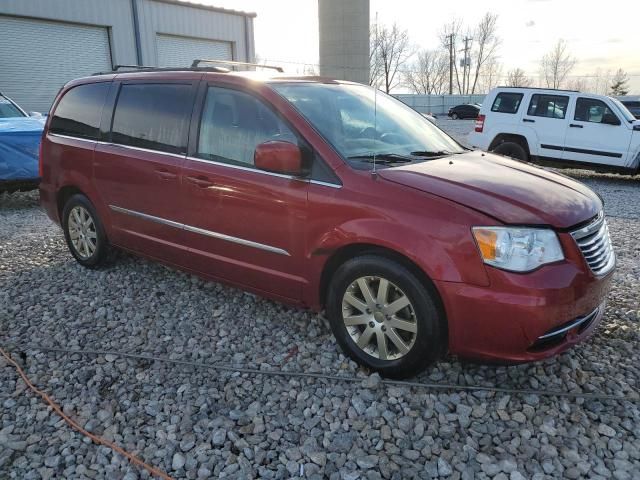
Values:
[(560, 128)]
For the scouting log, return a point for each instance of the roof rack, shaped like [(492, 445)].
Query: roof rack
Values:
[(540, 88), (198, 61), (147, 68)]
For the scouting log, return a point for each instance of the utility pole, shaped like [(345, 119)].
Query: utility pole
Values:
[(466, 66), (451, 36)]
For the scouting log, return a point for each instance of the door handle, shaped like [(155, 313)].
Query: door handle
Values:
[(528, 120), (202, 182), (166, 175), (575, 125)]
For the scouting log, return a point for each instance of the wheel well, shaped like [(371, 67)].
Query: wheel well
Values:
[(64, 194), (509, 137), (356, 250)]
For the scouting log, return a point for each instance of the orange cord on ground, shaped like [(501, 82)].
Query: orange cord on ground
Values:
[(132, 458)]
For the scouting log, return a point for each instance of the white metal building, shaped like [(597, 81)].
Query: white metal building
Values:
[(45, 43)]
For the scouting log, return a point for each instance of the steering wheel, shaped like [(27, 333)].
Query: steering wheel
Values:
[(369, 132), (393, 138)]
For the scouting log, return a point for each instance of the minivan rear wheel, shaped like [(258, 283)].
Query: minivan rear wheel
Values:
[(84, 232), (383, 317), (512, 150)]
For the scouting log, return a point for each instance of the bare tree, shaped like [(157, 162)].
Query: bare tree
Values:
[(389, 51), (518, 78), (619, 85), (556, 65), (429, 74), (375, 69), (600, 82), (490, 76), (579, 84), (486, 43)]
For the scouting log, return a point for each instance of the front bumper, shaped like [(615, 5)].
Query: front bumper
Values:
[(510, 319)]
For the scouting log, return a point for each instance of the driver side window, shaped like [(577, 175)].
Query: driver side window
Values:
[(233, 123)]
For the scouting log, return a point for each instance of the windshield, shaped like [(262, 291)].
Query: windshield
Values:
[(361, 123), (624, 110), (8, 109)]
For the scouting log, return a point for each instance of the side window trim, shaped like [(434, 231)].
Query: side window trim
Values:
[(606, 106), (546, 96), (514, 94), (54, 113), (194, 134), (114, 95)]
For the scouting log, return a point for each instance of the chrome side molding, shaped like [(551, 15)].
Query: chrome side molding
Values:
[(201, 231)]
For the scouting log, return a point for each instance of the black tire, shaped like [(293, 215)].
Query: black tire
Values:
[(512, 150), (101, 254), (429, 341), (455, 116)]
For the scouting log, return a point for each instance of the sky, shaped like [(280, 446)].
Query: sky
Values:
[(605, 38)]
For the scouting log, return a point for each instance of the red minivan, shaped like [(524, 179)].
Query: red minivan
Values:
[(329, 195)]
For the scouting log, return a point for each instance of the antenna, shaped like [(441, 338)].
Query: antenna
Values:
[(375, 110), (375, 125)]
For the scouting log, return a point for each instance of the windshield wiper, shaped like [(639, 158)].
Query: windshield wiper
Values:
[(383, 158), (426, 153)]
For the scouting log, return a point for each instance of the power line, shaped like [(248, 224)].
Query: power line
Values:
[(406, 70)]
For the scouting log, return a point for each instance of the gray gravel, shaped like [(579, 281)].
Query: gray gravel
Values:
[(203, 423)]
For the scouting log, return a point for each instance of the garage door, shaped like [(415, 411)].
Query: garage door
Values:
[(38, 57), (174, 51)]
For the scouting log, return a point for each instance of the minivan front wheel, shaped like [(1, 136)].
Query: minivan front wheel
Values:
[(383, 317), (83, 232)]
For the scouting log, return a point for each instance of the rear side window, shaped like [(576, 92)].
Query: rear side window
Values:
[(78, 112), (507, 102), (234, 123), (152, 116), (551, 106)]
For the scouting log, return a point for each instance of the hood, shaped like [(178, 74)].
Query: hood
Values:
[(510, 191), (15, 125)]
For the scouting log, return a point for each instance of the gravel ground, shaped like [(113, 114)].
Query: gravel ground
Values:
[(203, 422)]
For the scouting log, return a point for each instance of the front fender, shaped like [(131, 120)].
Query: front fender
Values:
[(448, 254)]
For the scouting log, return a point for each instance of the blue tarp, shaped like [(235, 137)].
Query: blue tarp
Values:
[(19, 144)]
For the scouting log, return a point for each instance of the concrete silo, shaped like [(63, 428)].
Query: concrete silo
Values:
[(344, 39)]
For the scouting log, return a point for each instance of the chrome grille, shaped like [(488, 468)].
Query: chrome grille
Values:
[(595, 244)]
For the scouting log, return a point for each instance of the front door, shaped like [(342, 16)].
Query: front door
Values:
[(137, 172), (596, 135), (243, 225)]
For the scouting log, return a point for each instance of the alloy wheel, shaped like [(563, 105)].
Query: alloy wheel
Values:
[(82, 232), (379, 318)]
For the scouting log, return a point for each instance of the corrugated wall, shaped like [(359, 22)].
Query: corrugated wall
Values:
[(159, 17), (154, 16), (115, 14)]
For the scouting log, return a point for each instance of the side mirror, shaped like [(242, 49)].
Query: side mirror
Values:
[(35, 114), (610, 119), (279, 157)]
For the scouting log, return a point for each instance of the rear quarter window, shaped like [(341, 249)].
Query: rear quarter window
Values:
[(507, 102), (78, 112)]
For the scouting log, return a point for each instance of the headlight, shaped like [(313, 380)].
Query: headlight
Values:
[(517, 249)]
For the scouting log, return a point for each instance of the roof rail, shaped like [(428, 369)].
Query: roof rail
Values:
[(539, 88), (145, 68), (198, 61)]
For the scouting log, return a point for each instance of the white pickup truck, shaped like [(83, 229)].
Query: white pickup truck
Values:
[(559, 128)]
